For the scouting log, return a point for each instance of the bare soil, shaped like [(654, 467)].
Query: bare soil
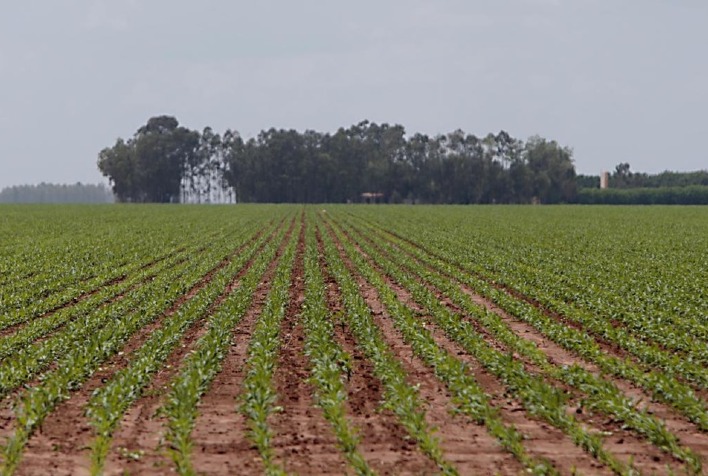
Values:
[(62, 445), (303, 440), (649, 460)]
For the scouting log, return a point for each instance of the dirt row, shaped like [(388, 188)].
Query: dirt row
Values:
[(557, 354), (620, 441), (62, 445), (304, 442), (610, 348), (85, 295)]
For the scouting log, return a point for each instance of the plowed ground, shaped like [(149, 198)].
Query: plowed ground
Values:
[(304, 441)]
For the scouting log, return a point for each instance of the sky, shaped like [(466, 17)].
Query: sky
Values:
[(615, 80)]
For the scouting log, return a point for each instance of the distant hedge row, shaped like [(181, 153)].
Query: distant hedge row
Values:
[(691, 195)]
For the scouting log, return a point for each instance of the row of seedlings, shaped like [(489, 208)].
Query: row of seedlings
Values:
[(538, 397), (202, 365), (23, 336), (79, 351), (664, 387), (600, 395), (259, 395), (330, 363), (399, 396), (109, 403)]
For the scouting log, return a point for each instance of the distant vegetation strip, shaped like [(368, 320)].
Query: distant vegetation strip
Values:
[(689, 195), (57, 193)]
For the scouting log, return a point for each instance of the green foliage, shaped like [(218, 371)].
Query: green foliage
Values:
[(150, 166), (600, 395), (622, 289), (87, 337), (689, 195), (164, 162), (566, 263), (202, 365), (109, 403), (468, 396), (55, 193), (330, 364), (286, 166), (259, 396), (399, 396)]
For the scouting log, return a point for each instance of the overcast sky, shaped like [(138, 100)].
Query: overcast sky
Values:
[(616, 80)]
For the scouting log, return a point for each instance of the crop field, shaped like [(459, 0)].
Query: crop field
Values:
[(353, 339)]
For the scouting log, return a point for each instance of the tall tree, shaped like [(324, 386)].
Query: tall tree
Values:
[(552, 171), (150, 166)]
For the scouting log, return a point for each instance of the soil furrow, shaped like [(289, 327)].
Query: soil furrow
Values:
[(220, 435), (676, 423), (112, 300), (384, 442), (619, 441), (541, 439), (7, 413), (62, 443), (608, 347), (87, 294), (688, 432), (303, 439)]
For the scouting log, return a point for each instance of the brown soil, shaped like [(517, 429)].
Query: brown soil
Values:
[(622, 442), (610, 348), (7, 412), (62, 443), (88, 294), (383, 441), (138, 445), (220, 432), (303, 439), (689, 434), (541, 439)]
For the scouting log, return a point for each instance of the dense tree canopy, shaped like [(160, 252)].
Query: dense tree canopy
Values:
[(164, 162), (151, 165), (633, 188), (624, 177)]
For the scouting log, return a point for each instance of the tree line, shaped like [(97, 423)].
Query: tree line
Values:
[(57, 193), (627, 187), (623, 177), (166, 162), (660, 195)]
